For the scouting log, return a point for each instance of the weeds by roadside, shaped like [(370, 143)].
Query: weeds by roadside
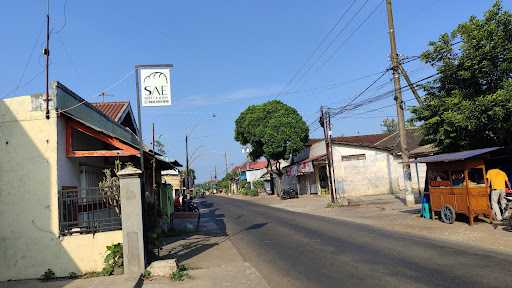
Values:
[(47, 275), (334, 205), (180, 274)]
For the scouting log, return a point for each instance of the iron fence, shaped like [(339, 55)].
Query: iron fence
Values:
[(88, 210)]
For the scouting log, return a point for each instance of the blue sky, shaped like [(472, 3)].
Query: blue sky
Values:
[(227, 55)]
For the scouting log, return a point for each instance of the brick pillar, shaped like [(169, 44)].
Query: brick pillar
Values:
[(131, 213)]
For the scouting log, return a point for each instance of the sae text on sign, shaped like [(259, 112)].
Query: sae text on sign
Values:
[(155, 85)]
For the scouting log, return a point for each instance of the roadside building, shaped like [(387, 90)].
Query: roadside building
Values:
[(363, 165), (58, 211)]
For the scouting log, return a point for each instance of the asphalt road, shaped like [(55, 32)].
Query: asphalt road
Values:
[(292, 249)]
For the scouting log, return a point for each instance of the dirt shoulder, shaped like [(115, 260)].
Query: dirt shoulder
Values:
[(388, 212)]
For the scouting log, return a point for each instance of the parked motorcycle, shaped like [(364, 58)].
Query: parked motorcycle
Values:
[(289, 193)]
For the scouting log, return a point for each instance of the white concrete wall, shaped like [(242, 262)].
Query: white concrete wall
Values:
[(317, 149), (31, 149), (68, 169), (379, 174), (253, 175)]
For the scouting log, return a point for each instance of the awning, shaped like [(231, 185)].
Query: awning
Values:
[(456, 156)]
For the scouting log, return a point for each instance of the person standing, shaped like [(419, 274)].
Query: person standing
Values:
[(498, 182)]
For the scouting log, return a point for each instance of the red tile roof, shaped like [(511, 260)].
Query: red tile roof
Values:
[(247, 166), (114, 110)]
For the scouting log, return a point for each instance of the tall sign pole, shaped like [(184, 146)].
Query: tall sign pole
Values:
[(409, 197), (153, 83)]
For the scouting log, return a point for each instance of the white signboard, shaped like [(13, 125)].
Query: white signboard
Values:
[(155, 86)]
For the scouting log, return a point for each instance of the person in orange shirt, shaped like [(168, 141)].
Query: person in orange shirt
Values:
[(498, 182)]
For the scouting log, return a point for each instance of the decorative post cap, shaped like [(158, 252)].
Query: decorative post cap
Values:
[(129, 172)]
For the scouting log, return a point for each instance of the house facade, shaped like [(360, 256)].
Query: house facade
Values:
[(55, 213), (363, 165)]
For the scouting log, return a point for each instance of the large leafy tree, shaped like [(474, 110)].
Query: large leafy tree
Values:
[(273, 130), (470, 104)]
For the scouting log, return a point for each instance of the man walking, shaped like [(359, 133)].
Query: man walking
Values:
[(498, 180)]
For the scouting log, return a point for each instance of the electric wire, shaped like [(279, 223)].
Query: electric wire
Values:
[(312, 65), (326, 36)]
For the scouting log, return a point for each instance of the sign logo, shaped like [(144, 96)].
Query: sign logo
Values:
[(155, 86)]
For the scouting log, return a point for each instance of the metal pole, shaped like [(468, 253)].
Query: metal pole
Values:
[(186, 165), (47, 56), (154, 159), (327, 153), (409, 198), (226, 161), (141, 143)]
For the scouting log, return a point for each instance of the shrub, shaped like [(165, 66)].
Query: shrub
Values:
[(180, 274), (147, 273), (259, 185), (72, 275), (252, 192), (113, 259), (47, 275)]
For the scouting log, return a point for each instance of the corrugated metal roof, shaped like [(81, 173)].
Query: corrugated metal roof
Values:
[(114, 110), (457, 156)]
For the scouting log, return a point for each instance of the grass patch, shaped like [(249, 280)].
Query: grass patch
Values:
[(180, 274)]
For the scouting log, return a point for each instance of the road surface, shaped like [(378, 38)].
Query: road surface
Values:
[(292, 249)]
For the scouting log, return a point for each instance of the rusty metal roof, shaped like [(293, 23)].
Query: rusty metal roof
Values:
[(114, 110), (367, 140)]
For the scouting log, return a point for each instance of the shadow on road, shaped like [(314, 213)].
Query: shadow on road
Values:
[(211, 232)]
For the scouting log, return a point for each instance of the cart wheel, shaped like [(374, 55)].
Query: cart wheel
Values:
[(448, 214)]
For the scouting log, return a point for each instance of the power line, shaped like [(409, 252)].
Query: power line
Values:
[(27, 63), (326, 36), (108, 88), (65, 19), (351, 107), (338, 48), (312, 65)]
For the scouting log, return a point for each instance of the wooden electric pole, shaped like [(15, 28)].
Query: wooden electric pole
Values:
[(325, 123), (409, 198)]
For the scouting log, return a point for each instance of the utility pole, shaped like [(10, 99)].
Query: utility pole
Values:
[(409, 198), (186, 164), (215, 173), (226, 162), (46, 53), (324, 122)]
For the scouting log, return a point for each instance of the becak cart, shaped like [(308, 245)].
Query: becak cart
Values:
[(457, 184)]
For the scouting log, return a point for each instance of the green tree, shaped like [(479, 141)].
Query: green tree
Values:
[(470, 104), (160, 146), (273, 130), (390, 125)]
